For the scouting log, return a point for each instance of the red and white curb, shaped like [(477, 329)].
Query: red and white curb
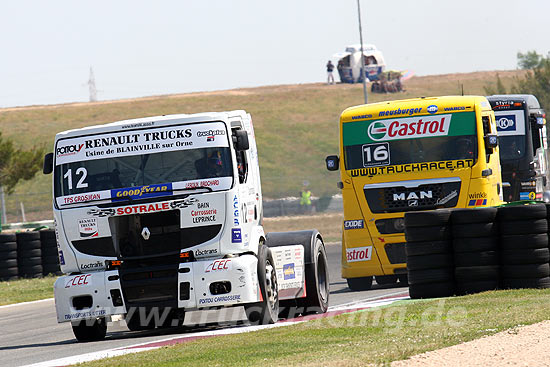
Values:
[(179, 339)]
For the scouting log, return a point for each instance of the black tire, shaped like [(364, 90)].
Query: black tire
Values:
[(50, 251), (524, 226), (8, 255), (28, 236), (51, 269), (435, 261), (521, 212), (359, 284), (427, 218), (425, 276), (386, 279), (524, 241), (475, 244), (50, 260), (25, 254), (86, 331), (317, 281), (267, 310), (30, 261), (428, 248), (423, 234), (431, 290), (8, 263), (139, 319), (477, 273), (7, 237), (30, 271), (479, 215), (403, 278), (526, 256), (9, 272), (8, 246), (463, 288), (47, 235), (478, 258), (474, 230), (526, 271), (519, 283), (29, 245)]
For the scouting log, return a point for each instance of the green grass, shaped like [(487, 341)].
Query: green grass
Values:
[(296, 127), (376, 336), (24, 290)]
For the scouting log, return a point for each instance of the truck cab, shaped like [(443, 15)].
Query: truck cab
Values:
[(409, 155), (521, 125), (161, 215)]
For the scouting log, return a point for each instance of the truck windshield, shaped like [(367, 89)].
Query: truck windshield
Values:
[(407, 140), (130, 166), (511, 133)]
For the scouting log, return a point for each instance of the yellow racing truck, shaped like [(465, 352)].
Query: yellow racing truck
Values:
[(409, 155)]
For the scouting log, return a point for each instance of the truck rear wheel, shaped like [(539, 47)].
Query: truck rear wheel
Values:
[(317, 281), (267, 310), (87, 331)]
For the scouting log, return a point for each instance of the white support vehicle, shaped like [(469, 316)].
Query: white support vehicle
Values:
[(162, 215)]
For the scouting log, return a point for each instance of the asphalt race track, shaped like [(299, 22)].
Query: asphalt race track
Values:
[(31, 334)]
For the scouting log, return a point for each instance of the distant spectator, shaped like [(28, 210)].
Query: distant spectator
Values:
[(330, 68), (305, 200)]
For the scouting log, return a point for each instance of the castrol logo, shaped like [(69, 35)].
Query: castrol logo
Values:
[(410, 128)]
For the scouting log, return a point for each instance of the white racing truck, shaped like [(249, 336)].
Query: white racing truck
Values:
[(162, 215)]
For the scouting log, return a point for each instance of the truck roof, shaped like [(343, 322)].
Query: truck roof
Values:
[(152, 121), (531, 100), (414, 106)]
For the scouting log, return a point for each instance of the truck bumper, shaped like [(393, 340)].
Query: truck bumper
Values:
[(200, 284)]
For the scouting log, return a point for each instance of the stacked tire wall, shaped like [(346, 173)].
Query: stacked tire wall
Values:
[(475, 249), (491, 248), (28, 255), (8, 257), (429, 254), (524, 242)]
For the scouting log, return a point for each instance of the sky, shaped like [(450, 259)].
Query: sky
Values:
[(143, 48)]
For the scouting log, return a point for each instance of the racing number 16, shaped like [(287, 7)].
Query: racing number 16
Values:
[(376, 154), (81, 171)]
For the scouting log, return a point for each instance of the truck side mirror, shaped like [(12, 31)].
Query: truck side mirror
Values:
[(332, 162), (240, 140), (491, 141), (48, 164)]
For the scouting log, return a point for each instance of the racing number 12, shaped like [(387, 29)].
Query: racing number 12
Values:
[(80, 184)]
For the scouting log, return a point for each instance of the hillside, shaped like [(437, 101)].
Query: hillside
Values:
[(296, 127)]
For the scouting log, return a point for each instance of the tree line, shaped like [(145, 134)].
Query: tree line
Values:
[(536, 81)]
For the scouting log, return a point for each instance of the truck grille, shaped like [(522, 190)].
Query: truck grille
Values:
[(164, 234), (406, 197)]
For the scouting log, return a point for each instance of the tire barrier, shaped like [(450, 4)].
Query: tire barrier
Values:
[(524, 242), (28, 254), (464, 251), (50, 258), (475, 249), (8, 257), (429, 254)]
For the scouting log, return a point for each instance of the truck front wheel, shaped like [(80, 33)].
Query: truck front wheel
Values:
[(267, 310), (360, 284), (90, 330)]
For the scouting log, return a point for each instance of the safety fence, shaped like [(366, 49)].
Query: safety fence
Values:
[(28, 254), (463, 251)]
